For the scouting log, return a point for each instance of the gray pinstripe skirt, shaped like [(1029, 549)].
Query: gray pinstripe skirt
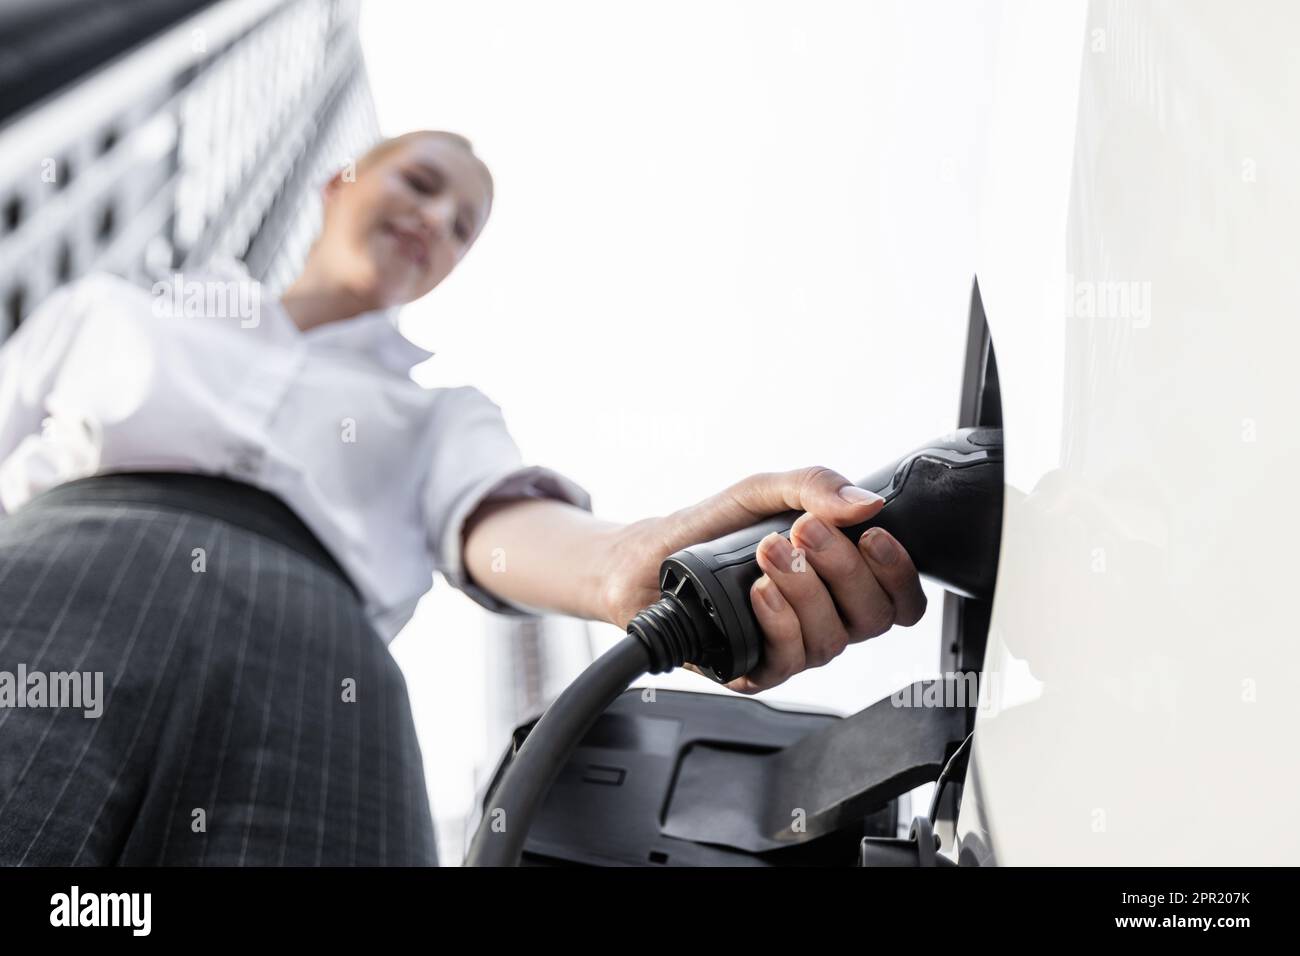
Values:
[(248, 713)]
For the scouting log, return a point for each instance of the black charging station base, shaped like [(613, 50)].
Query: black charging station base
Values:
[(627, 786)]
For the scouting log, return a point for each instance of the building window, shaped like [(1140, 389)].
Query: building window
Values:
[(14, 304), (13, 213)]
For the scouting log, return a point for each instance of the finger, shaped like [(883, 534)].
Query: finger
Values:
[(741, 685), (893, 568), (824, 636), (783, 654), (744, 685), (822, 491), (864, 607)]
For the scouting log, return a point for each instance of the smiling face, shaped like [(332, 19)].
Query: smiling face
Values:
[(418, 203)]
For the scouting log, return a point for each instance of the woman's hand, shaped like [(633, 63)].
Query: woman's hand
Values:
[(814, 598)]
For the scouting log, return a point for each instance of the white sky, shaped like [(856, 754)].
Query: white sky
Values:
[(728, 237)]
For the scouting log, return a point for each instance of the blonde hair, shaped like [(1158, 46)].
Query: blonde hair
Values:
[(386, 146)]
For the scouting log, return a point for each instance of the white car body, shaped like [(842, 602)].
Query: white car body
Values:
[(1137, 264)]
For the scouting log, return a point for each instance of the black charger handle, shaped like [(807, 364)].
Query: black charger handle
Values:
[(943, 502)]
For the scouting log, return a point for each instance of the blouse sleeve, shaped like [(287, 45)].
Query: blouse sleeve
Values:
[(475, 460), (30, 360)]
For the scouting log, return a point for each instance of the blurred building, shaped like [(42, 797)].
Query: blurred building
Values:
[(159, 133)]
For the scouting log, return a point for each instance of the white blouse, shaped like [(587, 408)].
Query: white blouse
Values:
[(199, 375)]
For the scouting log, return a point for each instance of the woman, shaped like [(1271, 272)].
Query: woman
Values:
[(219, 510)]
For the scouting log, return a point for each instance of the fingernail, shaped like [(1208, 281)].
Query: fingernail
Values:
[(881, 547), (772, 595), (856, 496), (778, 550), (814, 532)]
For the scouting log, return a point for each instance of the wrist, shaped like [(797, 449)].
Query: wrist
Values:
[(630, 568)]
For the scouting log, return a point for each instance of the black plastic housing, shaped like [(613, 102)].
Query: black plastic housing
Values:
[(609, 804)]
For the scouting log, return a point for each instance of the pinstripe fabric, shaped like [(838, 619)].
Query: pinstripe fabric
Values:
[(225, 737)]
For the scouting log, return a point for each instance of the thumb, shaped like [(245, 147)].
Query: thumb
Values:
[(826, 493)]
